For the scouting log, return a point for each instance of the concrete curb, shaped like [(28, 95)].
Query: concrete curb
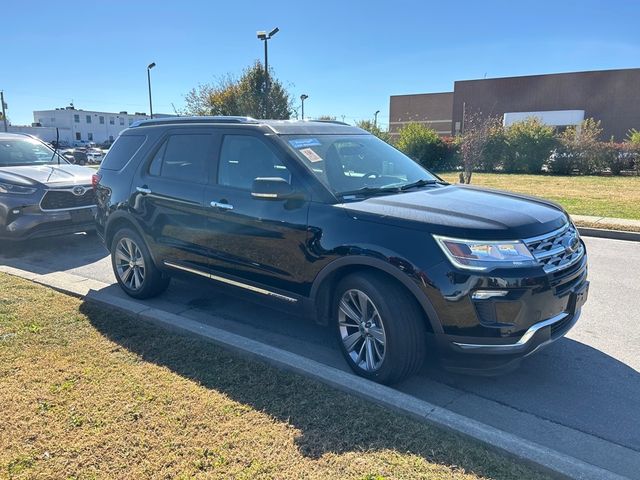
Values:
[(612, 234), (542, 458)]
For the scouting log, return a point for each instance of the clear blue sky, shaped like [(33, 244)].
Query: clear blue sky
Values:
[(347, 55)]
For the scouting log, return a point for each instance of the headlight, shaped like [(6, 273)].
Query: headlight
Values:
[(483, 255), (19, 189)]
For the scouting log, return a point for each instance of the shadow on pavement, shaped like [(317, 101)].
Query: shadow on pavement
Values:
[(53, 254)]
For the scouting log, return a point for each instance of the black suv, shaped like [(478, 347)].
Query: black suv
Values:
[(325, 218)]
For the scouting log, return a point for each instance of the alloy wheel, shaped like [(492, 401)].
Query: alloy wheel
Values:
[(130, 263), (361, 330)]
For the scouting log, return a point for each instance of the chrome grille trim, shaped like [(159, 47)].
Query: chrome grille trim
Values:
[(550, 249)]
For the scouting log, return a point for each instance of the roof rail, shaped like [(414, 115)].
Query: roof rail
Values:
[(196, 119), (336, 122)]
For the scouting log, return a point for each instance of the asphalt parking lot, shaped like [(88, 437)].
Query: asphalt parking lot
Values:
[(580, 396)]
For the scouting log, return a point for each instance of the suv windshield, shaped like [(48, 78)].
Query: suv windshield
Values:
[(25, 151), (348, 164)]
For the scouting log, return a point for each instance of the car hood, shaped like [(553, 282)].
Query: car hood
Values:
[(463, 211), (50, 175)]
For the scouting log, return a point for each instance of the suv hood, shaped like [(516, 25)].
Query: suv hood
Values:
[(463, 211), (63, 174)]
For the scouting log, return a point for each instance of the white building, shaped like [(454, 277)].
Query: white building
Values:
[(85, 125)]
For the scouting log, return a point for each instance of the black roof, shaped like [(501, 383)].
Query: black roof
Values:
[(292, 127)]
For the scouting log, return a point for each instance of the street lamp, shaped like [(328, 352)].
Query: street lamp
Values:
[(149, 67), (375, 118), (303, 97), (264, 36)]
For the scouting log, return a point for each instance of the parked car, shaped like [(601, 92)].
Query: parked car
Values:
[(41, 194), (328, 220)]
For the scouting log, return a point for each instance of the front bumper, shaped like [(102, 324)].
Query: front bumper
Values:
[(27, 222), (492, 333)]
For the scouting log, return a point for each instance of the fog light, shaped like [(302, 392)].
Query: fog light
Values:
[(15, 211), (486, 294)]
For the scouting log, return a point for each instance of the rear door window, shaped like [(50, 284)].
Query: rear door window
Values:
[(184, 157), (123, 150)]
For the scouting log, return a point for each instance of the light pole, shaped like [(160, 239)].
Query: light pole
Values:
[(264, 36), (303, 97), (375, 118), (149, 67)]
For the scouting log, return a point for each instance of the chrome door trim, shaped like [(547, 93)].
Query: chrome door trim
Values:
[(231, 282)]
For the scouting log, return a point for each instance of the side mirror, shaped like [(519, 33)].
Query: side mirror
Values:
[(272, 188)]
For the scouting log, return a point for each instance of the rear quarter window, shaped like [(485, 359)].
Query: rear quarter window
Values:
[(123, 150)]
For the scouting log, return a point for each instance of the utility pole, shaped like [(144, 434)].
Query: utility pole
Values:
[(149, 67), (4, 113), (265, 37), (303, 97)]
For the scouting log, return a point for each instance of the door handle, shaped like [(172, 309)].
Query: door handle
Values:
[(222, 206), (143, 190)]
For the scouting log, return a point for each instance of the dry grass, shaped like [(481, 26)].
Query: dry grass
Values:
[(86, 393), (617, 197)]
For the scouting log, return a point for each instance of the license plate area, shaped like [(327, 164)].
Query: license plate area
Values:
[(579, 297), (84, 215)]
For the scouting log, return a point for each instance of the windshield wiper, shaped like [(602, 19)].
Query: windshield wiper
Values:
[(422, 183), (370, 191)]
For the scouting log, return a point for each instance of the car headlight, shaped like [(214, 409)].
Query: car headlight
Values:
[(484, 255), (19, 189)]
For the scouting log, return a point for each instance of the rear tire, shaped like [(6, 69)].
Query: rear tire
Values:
[(380, 327), (133, 266)]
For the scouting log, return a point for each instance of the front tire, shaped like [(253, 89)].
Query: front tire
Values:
[(133, 267), (380, 328)]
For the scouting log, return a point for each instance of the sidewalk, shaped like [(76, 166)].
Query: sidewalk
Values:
[(608, 223)]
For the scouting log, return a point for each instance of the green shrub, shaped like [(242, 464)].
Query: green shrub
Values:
[(634, 136), (529, 145), (494, 150), (423, 145)]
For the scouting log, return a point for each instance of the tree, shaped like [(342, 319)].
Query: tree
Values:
[(423, 145), (473, 142), (580, 149), (244, 96), (326, 117), (370, 127), (530, 144)]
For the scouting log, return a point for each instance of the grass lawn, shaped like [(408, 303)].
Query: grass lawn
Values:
[(86, 393), (617, 197)]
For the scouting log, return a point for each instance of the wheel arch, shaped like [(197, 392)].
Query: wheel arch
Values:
[(118, 220), (324, 285)]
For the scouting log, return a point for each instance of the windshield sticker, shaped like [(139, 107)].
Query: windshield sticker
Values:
[(304, 142), (311, 155)]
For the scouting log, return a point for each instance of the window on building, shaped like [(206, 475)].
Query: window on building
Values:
[(130, 121), (112, 121), (76, 118), (101, 118), (90, 136), (121, 121), (78, 136), (183, 157), (88, 118), (243, 158)]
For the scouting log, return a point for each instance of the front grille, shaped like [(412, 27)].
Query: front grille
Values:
[(66, 199), (558, 249)]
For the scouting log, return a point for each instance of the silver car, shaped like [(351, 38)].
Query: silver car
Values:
[(41, 193)]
